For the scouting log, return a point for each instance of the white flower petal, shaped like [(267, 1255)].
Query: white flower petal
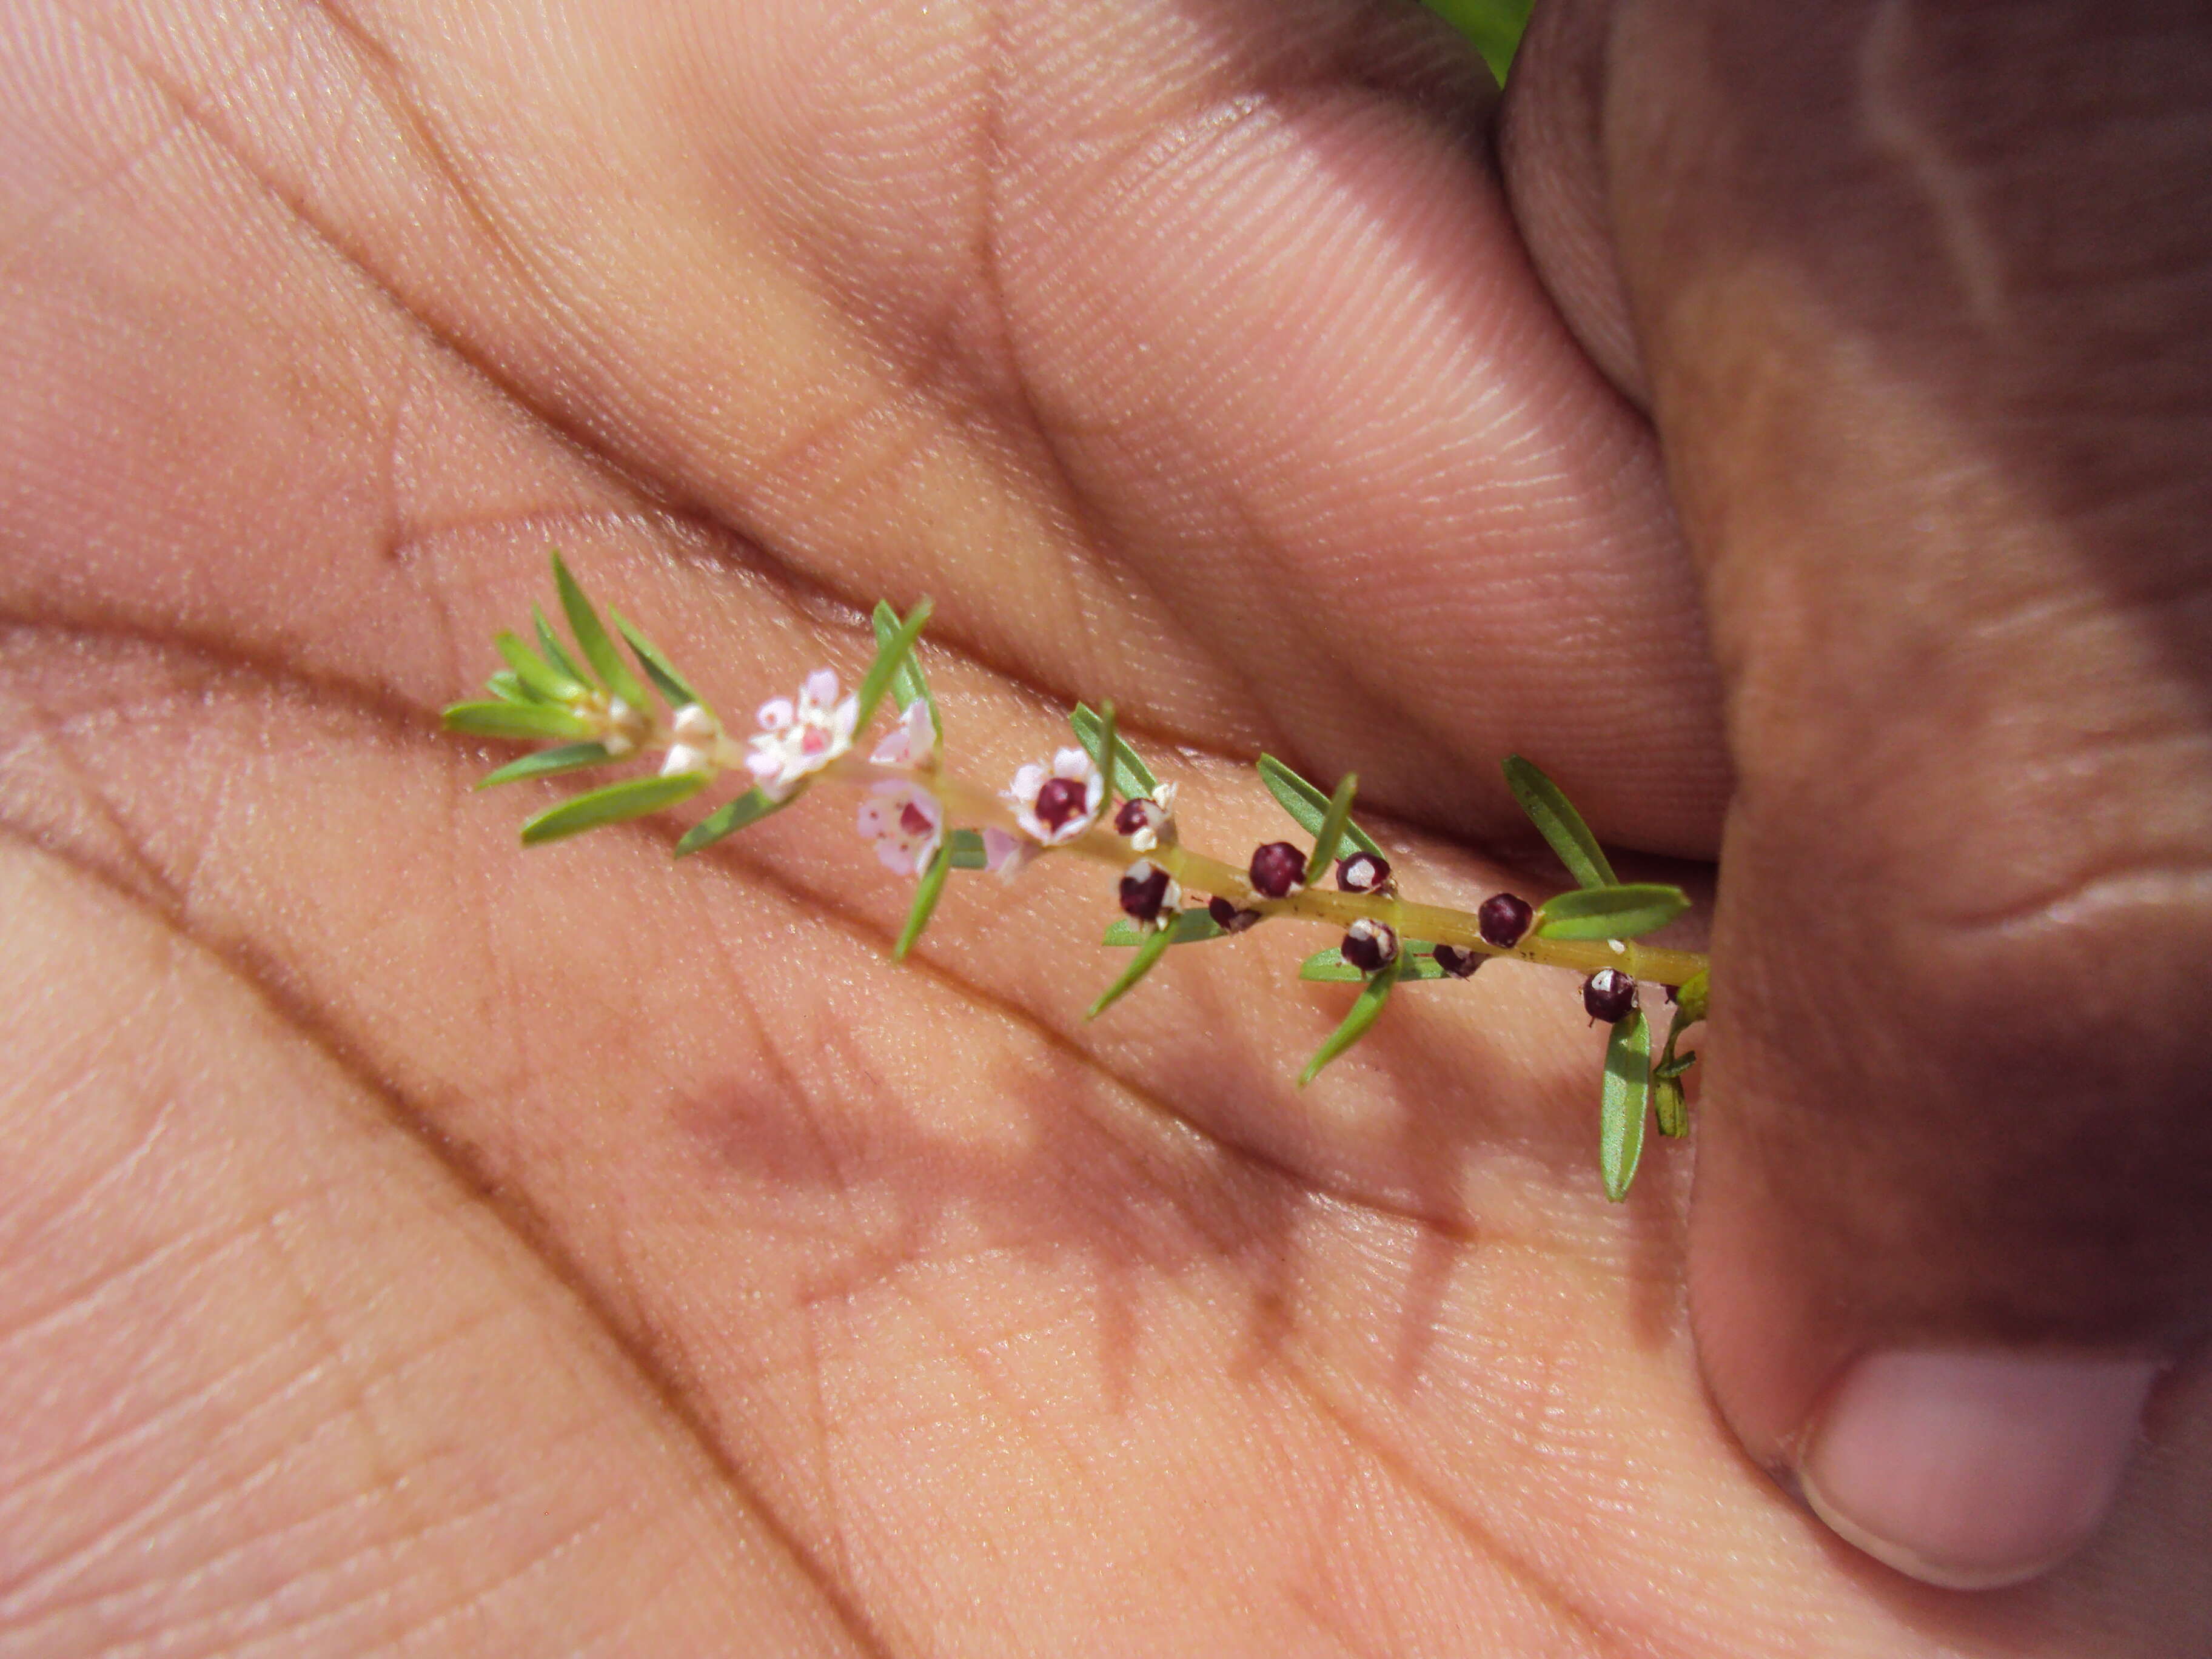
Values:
[(1072, 764), (694, 724), (820, 689), (775, 715)]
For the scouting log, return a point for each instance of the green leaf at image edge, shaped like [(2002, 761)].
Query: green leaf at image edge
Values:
[(1365, 1009), (1154, 947), (1307, 804), (617, 802), (1132, 779), (1556, 821), (728, 819), (1628, 911), (925, 901), (549, 763), (1624, 1101), (592, 638)]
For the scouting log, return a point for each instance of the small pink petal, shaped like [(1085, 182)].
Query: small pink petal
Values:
[(775, 715), (820, 689)]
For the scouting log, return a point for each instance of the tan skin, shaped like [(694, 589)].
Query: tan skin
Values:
[(410, 1246)]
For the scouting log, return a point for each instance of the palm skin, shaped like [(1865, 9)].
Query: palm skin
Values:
[(406, 1245)]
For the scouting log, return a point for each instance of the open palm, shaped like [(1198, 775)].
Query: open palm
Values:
[(408, 1245)]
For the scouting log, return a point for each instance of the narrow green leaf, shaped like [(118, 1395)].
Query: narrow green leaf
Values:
[(1106, 744), (727, 819), (633, 798), (1555, 817), (1625, 1102), (966, 847), (909, 685), (529, 722), (1307, 804), (555, 653), (532, 670), (1416, 961), (1364, 1008), (1693, 996), (547, 762), (925, 901), (1332, 828), (674, 691), (1624, 912), (1675, 1065), (1154, 947), (1670, 1107), (1190, 927), (507, 687), (592, 637), (1132, 779), (889, 654)]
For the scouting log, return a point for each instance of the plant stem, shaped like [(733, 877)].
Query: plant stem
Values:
[(966, 803)]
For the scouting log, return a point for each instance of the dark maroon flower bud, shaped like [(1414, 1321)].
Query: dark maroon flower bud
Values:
[(1147, 890), (1503, 918), (1138, 812), (1369, 945), (1278, 870), (1058, 801), (1459, 964), (1228, 918), (1609, 994), (1363, 872)]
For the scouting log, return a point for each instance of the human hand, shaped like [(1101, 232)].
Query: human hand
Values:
[(411, 1244)]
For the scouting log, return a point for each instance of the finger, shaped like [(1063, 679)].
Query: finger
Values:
[(1923, 299)]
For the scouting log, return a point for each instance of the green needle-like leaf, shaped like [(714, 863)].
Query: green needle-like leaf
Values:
[(547, 762), (1154, 947), (674, 691), (555, 653), (1332, 828), (507, 687), (1364, 1008), (1416, 961), (1555, 817), (1624, 912), (727, 819), (890, 655), (592, 638), (966, 847), (925, 901), (1132, 779), (530, 722), (1190, 927), (532, 670), (634, 798), (1303, 802), (909, 685), (1624, 1101)]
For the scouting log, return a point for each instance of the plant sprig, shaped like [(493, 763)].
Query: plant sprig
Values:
[(582, 696)]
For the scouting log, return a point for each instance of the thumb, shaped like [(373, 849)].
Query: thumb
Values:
[(1920, 298)]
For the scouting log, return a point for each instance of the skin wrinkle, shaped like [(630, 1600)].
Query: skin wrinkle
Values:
[(513, 1212)]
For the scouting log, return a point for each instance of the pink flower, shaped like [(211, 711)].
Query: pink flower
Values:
[(912, 742), (906, 823), (793, 742), (1054, 807), (1008, 854)]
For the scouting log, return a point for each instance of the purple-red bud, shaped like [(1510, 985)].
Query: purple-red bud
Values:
[(1369, 945), (1609, 994), (1228, 918), (1504, 918), (1363, 872), (1147, 890), (1278, 870), (1459, 964), (1138, 812)]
